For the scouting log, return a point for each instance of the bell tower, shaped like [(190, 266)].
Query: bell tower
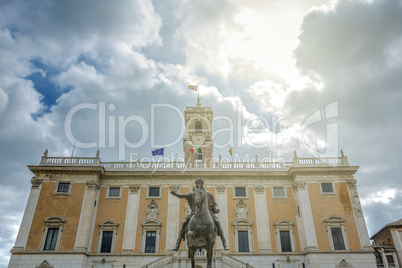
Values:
[(198, 143)]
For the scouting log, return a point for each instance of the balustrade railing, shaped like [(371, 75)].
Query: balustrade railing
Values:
[(138, 165)]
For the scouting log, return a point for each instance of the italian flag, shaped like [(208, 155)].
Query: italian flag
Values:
[(194, 150)]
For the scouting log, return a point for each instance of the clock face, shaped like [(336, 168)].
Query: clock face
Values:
[(198, 139)]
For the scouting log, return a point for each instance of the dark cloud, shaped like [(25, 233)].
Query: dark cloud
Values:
[(353, 56)]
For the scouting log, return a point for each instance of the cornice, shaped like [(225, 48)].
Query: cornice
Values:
[(343, 170), (98, 170)]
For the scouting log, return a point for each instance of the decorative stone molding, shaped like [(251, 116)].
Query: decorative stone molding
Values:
[(187, 209), (53, 222), (259, 189), (344, 263), (220, 188), (35, 183), (357, 208), (152, 210), (108, 225), (241, 209), (134, 189), (44, 264), (335, 221), (284, 225), (92, 185), (174, 188), (299, 185), (352, 184)]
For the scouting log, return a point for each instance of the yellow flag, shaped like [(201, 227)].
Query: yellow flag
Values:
[(193, 88)]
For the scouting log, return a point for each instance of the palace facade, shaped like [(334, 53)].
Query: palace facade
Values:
[(83, 212)]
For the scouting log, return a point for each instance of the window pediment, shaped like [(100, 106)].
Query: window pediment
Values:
[(109, 224)]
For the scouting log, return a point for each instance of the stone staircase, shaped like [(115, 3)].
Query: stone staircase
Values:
[(160, 263), (234, 263), (221, 260)]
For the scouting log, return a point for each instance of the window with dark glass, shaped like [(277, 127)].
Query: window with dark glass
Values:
[(51, 239), (240, 191), (114, 191), (107, 239), (378, 258), (285, 241), (153, 191), (327, 188), (198, 126), (63, 187), (337, 238), (150, 242), (198, 156), (390, 260), (279, 192), (243, 241)]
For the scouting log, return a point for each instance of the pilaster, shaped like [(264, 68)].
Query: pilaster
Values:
[(26, 222), (221, 200), (87, 217), (261, 209), (358, 214), (173, 220), (130, 225), (308, 239)]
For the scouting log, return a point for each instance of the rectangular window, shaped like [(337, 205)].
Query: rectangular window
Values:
[(243, 241), (153, 191), (107, 239), (63, 187), (337, 238), (390, 260), (285, 241), (150, 242), (51, 239), (114, 191), (240, 191), (327, 188), (279, 192)]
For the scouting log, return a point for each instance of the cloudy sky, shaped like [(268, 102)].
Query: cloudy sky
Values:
[(280, 75)]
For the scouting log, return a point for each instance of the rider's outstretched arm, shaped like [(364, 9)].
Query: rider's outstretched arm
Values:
[(180, 195)]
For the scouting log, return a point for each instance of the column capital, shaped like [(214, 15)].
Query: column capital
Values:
[(36, 183), (92, 185), (134, 189), (352, 184), (299, 185), (220, 189), (259, 189), (174, 188)]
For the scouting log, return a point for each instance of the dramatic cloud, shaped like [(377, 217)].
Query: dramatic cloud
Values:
[(265, 67)]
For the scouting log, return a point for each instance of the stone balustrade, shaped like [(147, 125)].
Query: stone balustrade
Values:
[(169, 166)]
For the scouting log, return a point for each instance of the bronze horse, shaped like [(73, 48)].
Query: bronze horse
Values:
[(201, 230)]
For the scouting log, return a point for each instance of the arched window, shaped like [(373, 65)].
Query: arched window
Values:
[(198, 126)]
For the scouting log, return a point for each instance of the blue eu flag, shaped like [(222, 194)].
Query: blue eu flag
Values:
[(158, 151)]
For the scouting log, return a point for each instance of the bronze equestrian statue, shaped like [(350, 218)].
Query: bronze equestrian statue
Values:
[(201, 226)]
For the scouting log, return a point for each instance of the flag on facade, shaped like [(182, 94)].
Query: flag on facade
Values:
[(194, 150), (193, 88), (158, 151), (230, 151)]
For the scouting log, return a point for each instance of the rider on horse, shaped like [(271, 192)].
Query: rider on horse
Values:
[(212, 206)]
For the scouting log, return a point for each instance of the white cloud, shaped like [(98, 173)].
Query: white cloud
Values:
[(137, 53)]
